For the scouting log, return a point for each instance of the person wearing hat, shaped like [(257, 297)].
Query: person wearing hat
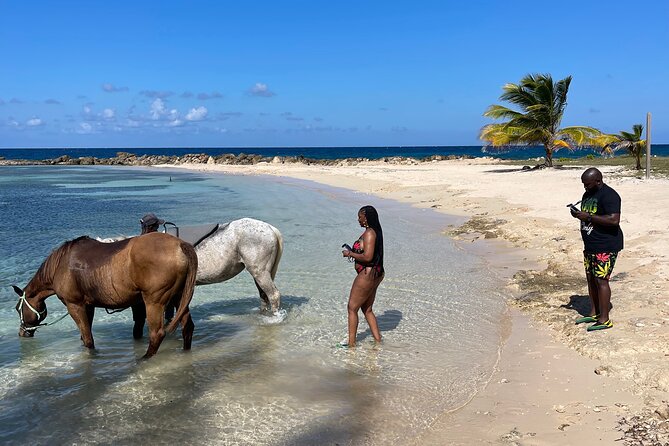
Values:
[(150, 223)]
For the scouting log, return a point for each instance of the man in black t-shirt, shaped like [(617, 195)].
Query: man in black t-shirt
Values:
[(602, 240)]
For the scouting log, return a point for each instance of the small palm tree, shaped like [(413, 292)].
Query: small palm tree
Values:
[(631, 142), (542, 103)]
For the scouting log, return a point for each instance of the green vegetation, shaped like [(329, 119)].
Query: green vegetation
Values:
[(631, 142), (541, 102), (659, 165)]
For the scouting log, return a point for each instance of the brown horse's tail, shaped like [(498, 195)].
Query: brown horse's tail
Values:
[(189, 286)]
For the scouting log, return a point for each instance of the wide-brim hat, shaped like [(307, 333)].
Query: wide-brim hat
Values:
[(150, 219)]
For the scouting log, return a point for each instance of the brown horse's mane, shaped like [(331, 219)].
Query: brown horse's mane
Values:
[(47, 269)]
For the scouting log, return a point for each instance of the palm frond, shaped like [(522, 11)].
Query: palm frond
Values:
[(518, 96), (583, 135), (559, 143), (499, 111), (561, 90), (542, 102), (494, 135), (605, 142), (534, 136), (501, 135), (630, 142)]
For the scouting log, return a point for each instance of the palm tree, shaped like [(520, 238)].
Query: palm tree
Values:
[(542, 103), (631, 142)]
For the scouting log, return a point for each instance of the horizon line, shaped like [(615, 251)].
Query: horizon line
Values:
[(275, 147)]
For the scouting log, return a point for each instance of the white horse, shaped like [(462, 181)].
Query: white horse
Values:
[(244, 243)]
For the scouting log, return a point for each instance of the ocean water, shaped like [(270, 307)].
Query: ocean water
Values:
[(248, 379), (311, 152)]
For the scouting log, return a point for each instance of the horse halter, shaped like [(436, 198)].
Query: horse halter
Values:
[(19, 309)]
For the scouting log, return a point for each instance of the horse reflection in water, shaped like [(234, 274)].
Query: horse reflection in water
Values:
[(244, 243), (153, 270)]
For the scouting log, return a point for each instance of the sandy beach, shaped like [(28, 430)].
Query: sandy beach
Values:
[(555, 383)]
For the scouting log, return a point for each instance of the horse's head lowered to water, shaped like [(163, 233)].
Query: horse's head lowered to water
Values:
[(154, 269), (30, 315)]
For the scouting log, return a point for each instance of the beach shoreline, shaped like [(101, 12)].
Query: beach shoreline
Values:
[(556, 383)]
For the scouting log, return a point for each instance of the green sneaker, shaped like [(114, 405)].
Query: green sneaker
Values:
[(602, 326), (583, 320), (342, 344)]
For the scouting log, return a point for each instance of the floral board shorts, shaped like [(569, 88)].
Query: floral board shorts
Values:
[(600, 265)]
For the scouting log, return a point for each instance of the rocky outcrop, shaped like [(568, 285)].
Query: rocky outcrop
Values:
[(130, 159)]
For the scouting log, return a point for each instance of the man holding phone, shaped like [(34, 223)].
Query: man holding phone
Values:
[(602, 240)]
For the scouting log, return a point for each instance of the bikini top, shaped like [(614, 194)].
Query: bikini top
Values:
[(376, 262)]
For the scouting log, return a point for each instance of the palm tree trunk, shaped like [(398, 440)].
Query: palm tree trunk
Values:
[(638, 160), (549, 155)]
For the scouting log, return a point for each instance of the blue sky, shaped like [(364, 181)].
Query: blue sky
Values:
[(312, 73)]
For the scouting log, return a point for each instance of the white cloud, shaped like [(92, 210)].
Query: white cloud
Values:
[(157, 108), (156, 94), (197, 114), (90, 115), (205, 96), (34, 122), (110, 88), (261, 90), (85, 128)]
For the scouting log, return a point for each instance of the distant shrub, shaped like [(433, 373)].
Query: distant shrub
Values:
[(563, 160), (590, 156)]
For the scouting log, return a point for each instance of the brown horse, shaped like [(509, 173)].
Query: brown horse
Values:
[(84, 273)]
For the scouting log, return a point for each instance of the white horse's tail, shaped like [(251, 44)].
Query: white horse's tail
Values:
[(279, 246)]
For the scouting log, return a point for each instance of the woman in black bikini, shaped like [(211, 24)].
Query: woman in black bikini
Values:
[(367, 252)]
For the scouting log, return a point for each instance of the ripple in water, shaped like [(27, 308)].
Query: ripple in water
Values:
[(251, 378)]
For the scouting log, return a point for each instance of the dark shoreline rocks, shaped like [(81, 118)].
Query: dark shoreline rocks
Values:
[(129, 159)]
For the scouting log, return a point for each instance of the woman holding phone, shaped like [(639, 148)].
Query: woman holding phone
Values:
[(367, 252)]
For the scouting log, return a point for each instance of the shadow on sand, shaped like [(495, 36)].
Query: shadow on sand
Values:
[(243, 306), (388, 320), (580, 303), (527, 168)]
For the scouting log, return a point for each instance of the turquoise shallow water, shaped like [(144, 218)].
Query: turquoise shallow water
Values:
[(248, 379)]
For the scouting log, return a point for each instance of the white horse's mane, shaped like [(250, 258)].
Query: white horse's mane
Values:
[(112, 239)]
